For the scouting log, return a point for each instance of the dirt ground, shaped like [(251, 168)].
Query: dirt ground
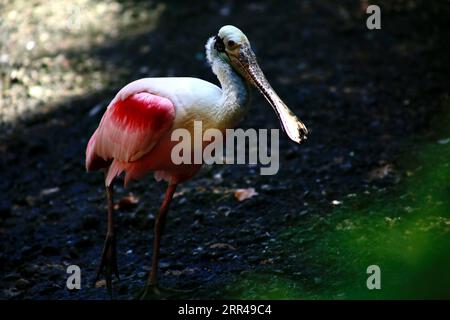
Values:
[(367, 98)]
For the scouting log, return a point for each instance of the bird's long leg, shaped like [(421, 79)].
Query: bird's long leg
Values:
[(151, 285), (159, 228), (108, 262)]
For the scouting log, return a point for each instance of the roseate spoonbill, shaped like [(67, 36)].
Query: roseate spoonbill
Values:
[(134, 135)]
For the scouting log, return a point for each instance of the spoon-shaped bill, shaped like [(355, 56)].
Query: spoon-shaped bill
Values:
[(246, 63)]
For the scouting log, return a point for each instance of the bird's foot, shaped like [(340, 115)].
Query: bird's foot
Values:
[(108, 262), (154, 291)]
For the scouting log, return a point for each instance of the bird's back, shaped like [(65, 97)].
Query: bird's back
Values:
[(184, 92)]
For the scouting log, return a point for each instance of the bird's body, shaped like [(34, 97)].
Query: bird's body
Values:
[(134, 135)]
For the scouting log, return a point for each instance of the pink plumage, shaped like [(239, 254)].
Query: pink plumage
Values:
[(128, 132)]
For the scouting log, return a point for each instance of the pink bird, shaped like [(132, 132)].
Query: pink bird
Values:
[(134, 135)]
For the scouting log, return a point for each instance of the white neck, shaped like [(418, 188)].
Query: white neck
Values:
[(235, 91)]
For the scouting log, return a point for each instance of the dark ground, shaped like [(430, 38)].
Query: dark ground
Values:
[(365, 96)]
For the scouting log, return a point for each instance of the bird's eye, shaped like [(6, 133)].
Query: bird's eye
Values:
[(231, 43), (219, 45)]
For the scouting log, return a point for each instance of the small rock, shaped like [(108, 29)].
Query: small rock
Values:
[(303, 212), (196, 225), (198, 215), (22, 284), (27, 250), (36, 92), (224, 210), (48, 191), (30, 45)]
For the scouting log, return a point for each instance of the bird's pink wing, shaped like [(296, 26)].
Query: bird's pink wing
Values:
[(129, 129)]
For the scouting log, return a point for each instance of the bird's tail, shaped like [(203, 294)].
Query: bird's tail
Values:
[(115, 169)]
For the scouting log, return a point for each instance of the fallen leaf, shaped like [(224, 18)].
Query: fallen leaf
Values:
[(339, 160), (126, 203), (266, 261), (381, 172), (391, 221), (30, 200), (222, 246), (178, 273), (243, 194), (100, 283)]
